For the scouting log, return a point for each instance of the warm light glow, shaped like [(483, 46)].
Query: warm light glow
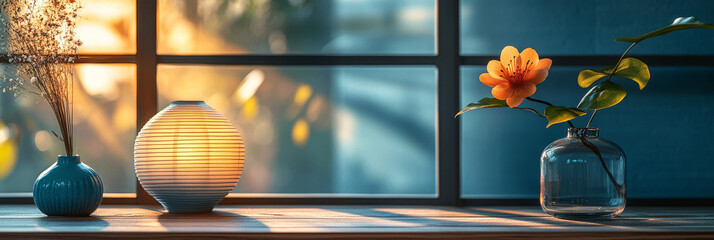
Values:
[(413, 19), (302, 94), (4, 133), (345, 126), (301, 132), (180, 82), (108, 27), (315, 108), (219, 101), (8, 151), (103, 80), (43, 140), (98, 37), (188, 157), (471, 218), (250, 109), (381, 221), (249, 86), (177, 34), (105, 115), (122, 118)]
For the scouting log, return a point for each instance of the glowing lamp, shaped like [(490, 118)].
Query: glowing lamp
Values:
[(188, 157)]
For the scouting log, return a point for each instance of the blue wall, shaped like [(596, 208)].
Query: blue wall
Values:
[(581, 26), (666, 129)]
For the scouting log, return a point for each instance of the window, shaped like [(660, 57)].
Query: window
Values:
[(321, 129), (657, 127), (319, 103), (104, 96), (344, 101)]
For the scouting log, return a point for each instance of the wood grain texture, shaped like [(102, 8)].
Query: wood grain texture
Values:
[(353, 222)]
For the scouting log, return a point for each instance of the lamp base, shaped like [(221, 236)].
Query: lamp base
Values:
[(189, 209)]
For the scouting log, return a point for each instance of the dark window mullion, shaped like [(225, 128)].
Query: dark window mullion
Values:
[(298, 59), (146, 90), (471, 60), (448, 96), (96, 58), (605, 60)]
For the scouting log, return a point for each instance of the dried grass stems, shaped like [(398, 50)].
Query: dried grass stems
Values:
[(39, 42)]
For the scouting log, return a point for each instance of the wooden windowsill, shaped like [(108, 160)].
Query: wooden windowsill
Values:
[(353, 222)]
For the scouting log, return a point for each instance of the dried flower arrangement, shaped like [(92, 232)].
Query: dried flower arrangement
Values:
[(39, 42)]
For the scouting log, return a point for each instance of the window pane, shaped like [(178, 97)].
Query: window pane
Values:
[(104, 130), (322, 129), (566, 27), (302, 26), (665, 130), (108, 27)]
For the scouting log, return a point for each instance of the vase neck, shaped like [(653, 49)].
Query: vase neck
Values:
[(583, 132), (67, 159)]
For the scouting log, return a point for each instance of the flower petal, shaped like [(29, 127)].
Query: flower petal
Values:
[(536, 76), (490, 81), (543, 64), (502, 91), (510, 58), (514, 101), (524, 90), (495, 69), (529, 58)]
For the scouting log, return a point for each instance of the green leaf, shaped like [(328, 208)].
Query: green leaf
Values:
[(603, 95), (483, 103), (558, 114), (679, 24), (630, 68), (587, 77), (635, 70)]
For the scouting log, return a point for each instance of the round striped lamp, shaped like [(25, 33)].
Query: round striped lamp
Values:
[(188, 157)]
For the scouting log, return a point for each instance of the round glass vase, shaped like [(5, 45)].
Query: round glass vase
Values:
[(582, 176)]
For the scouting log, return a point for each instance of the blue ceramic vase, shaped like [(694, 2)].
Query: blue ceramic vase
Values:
[(68, 188)]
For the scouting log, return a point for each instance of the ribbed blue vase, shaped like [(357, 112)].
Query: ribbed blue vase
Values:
[(68, 188)]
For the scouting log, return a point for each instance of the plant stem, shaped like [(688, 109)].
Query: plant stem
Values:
[(532, 110), (618, 187), (539, 101), (610, 76), (591, 119), (620, 61), (592, 147), (547, 103)]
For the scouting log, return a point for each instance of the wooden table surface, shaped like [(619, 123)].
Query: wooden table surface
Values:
[(354, 222)]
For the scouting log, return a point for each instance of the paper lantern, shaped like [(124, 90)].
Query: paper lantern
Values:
[(188, 157)]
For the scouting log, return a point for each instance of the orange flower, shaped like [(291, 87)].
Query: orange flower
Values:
[(515, 76)]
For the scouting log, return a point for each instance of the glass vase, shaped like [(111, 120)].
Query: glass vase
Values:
[(582, 176)]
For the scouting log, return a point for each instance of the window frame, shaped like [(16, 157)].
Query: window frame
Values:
[(447, 59)]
